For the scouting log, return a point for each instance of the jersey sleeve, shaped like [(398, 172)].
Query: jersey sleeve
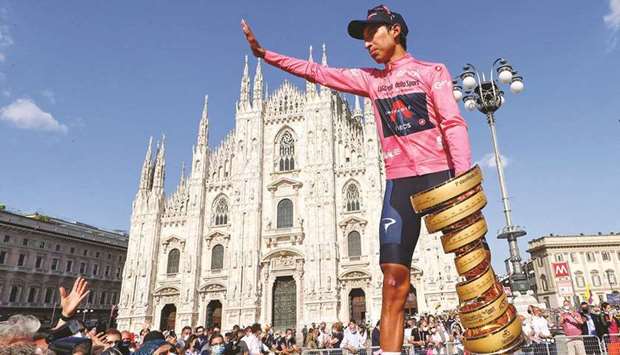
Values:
[(354, 81), (452, 124)]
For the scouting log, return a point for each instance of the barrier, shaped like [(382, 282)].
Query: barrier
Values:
[(611, 344), (558, 345), (367, 350)]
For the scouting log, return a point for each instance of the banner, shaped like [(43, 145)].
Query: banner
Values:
[(565, 288), (613, 298)]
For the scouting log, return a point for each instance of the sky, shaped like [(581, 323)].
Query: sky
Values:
[(83, 84)]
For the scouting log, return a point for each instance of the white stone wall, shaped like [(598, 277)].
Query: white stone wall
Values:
[(604, 253), (334, 145)]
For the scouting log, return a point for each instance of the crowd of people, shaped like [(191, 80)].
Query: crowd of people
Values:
[(584, 328), (423, 335)]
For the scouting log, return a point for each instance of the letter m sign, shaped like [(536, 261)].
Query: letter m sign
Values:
[(560, 269)]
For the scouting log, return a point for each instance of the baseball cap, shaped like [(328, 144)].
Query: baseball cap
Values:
[(377, 15)]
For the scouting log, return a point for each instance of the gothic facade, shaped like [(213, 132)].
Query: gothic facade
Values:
[(278, 224)]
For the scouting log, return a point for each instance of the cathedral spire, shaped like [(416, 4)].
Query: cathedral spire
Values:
[(145, 176), (257, 92), (357, 111), (310, 87), (160, 166), (203, 128), (324, 89), (244, 95)]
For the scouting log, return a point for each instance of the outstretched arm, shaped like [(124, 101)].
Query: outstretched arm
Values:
[(348, 80)]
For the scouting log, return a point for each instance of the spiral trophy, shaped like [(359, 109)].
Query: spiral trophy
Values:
[(454, 208)]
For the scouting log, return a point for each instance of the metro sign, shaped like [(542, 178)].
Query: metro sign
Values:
[(560, 269)]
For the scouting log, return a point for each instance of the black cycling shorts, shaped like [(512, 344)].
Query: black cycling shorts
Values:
[(399, 227)]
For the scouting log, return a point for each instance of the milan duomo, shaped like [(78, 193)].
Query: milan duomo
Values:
[(279, 224)]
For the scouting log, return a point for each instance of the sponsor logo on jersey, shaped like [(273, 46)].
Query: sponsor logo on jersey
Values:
[(402, 115)]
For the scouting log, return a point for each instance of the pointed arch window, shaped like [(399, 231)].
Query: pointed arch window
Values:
[(221, 212), (217, 257), (352, 198), (285, 213), (354, 244), (173, 261), (287, 152)]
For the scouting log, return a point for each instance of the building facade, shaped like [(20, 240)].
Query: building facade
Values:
[(278, 224), (583, 263), (38, 254)]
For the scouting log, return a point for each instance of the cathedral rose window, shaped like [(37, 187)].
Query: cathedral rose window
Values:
[(352, 198), (287, 152)]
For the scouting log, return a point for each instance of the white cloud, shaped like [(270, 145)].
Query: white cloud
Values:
[(49, 94), (612, 19), (488, 161), (2, 57), (25, 114)]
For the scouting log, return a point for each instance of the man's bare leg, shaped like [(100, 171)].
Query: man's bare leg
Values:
[(396, 286)]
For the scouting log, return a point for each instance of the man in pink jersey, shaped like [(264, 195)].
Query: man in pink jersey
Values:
[(423, 138)]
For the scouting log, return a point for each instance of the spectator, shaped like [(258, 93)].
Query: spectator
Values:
[(268, 339), (610, 320), (599, 321), (572, 323), (153, 340), (304, 332), (540, 328), (128, 342), (323, 337), (16, 334), (113, 340), (192, 345), (337, 336), (376, 335), (589, 326), (252, 340), (414, 337), (437, 339), (352, 340), (287, 343), (311, 342), (216, 345)]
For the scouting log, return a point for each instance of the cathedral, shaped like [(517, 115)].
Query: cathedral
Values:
[(279, 224)]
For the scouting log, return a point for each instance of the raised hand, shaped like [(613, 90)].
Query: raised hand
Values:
[(70, 302), (256, 48)]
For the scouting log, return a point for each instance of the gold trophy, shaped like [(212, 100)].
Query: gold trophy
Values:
[(454, 208)]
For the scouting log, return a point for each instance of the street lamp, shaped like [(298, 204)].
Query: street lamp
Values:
[(486, 96)]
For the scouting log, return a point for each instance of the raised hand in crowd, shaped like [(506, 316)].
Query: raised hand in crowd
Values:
[(69, 302)]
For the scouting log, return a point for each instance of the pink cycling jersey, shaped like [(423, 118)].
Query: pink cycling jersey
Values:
[(418, 122)]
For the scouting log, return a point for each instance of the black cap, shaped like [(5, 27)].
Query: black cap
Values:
[(377, 15)]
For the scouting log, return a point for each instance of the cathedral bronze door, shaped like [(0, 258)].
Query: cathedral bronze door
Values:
[(284, 303), (357, 305), (214, 314), (168, 317)]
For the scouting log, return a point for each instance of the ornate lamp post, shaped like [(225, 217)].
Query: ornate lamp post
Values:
[(486, 96)]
